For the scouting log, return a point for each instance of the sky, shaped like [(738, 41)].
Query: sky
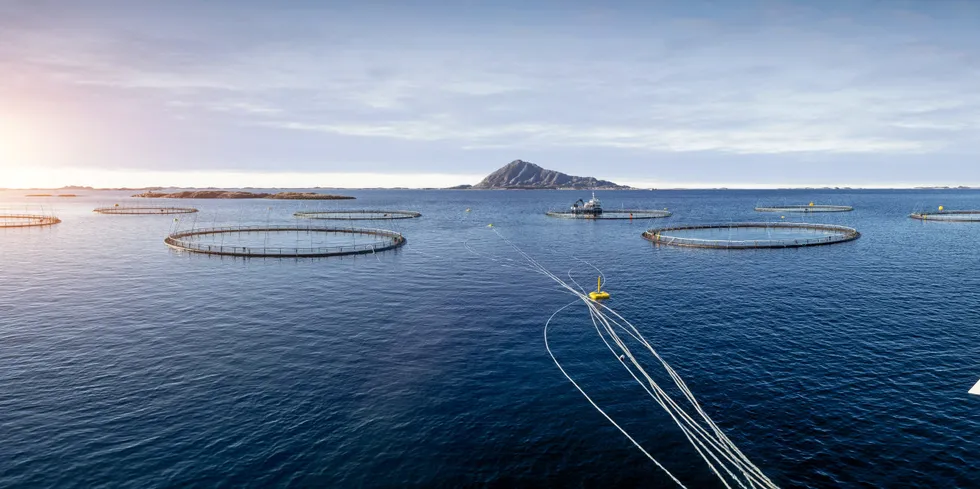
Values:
[(698, 93)]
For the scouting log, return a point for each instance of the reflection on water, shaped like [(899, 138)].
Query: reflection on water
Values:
[(127, 364)]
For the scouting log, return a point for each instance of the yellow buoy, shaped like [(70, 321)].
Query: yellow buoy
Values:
[(489, 225), (782, 217), (598, 294), (811, 204), (940, 207)]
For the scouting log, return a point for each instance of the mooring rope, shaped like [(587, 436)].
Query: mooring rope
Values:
[(721, 455), (596, 406)]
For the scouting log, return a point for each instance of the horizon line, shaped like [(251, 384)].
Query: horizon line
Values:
[(605, 189), (51, 178)]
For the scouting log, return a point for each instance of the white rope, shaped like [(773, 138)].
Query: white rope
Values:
[(721, 455), (596, 406)]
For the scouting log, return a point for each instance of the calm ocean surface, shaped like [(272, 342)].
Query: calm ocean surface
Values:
[(126, 364)]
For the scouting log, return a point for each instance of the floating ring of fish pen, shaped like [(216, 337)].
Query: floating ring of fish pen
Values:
[(618, 214), (956, 216), (357, 215), (26, 220), (806, 208), (143, 211), (388, 240), (833, 234)]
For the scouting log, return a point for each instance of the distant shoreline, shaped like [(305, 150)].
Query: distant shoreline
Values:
[(287, 189), (238, 194)]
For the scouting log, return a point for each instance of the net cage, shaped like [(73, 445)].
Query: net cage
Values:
[(746, 235), (19, 220), (811, 207), (951, 215), (617, 214), (139, 210), (357, 215), (286, 241)]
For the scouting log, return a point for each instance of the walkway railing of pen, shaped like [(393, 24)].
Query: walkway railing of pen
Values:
[(26, 220), (944, 215), (843, 234), (617, 214), (177, 241)]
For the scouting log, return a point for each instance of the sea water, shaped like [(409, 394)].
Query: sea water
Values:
[(127, 364)]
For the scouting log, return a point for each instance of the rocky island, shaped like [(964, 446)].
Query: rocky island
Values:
[(238, 194), (520, 174)]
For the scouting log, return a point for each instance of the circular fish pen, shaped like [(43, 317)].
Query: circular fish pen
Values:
[(284, 241), (811, 207), (621, 214), (950, 216), (746, 235), (357, 215), (26, 220), (144, 211)]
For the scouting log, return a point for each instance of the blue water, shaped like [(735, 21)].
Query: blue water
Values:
[(125, 364)]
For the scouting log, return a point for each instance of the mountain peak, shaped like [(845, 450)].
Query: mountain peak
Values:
[(521, 163), (523, 174)]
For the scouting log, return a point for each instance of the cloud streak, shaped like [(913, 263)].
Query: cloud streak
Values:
[(762, 140), (774, 79)]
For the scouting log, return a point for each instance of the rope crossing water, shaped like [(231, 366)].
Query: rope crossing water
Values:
[(732, 467)]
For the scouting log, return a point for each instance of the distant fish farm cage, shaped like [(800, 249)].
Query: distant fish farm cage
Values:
[(27, 220), (747, 235), (811, 207), (357, 215), (378, 240), (620, 214), (144, 210), (951, 216)]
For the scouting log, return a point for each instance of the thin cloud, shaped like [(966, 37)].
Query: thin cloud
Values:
[(530, 135), (797, 81)]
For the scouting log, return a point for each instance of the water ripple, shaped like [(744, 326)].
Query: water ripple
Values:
[(125, 364)]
